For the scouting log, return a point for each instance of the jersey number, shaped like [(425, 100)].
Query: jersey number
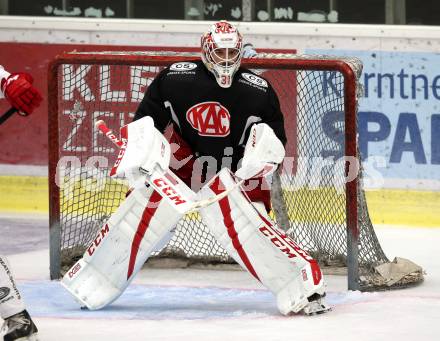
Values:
[(225, 79)]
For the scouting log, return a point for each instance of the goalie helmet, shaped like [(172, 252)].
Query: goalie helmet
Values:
[(222, 51)]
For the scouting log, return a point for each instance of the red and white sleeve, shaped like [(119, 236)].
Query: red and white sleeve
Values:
[(3, 75)]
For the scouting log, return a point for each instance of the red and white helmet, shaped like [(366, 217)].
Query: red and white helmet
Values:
[(222, 51)]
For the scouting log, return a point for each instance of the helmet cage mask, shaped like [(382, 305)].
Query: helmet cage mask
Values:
[(222, 51)]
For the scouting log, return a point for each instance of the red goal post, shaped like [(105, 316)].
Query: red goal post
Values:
[(319, 97)]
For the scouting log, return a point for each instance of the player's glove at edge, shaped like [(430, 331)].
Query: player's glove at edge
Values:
[(20, 93)]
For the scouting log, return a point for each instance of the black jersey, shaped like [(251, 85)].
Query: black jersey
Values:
[(214, 121)]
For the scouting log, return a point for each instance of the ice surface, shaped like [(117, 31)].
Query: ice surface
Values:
[(181, 304)]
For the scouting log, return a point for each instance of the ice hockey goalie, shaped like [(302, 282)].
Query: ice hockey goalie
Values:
[(229, 130)]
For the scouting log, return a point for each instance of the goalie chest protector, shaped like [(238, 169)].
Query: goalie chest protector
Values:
[(214, 121)]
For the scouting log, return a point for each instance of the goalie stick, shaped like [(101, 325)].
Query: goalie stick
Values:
[(185, 203)]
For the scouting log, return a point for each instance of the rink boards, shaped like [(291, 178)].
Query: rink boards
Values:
[(386, 206)]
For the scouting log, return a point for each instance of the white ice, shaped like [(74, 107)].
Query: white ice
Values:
[(214, 305)]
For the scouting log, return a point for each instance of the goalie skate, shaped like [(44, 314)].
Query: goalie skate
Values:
[(316, 305)]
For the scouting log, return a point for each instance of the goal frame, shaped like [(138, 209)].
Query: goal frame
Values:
[(298, 63)]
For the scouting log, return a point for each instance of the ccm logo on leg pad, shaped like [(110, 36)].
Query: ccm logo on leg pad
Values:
[(104, 231), (284, 243)]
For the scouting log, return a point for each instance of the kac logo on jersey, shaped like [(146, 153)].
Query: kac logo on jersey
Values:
[(209, 119), (254, 79), (183, 66)]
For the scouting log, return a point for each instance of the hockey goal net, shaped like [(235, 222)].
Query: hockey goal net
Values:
[(317, 195)]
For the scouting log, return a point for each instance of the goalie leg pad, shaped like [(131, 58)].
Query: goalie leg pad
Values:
[(142, 222), (259, 246)]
